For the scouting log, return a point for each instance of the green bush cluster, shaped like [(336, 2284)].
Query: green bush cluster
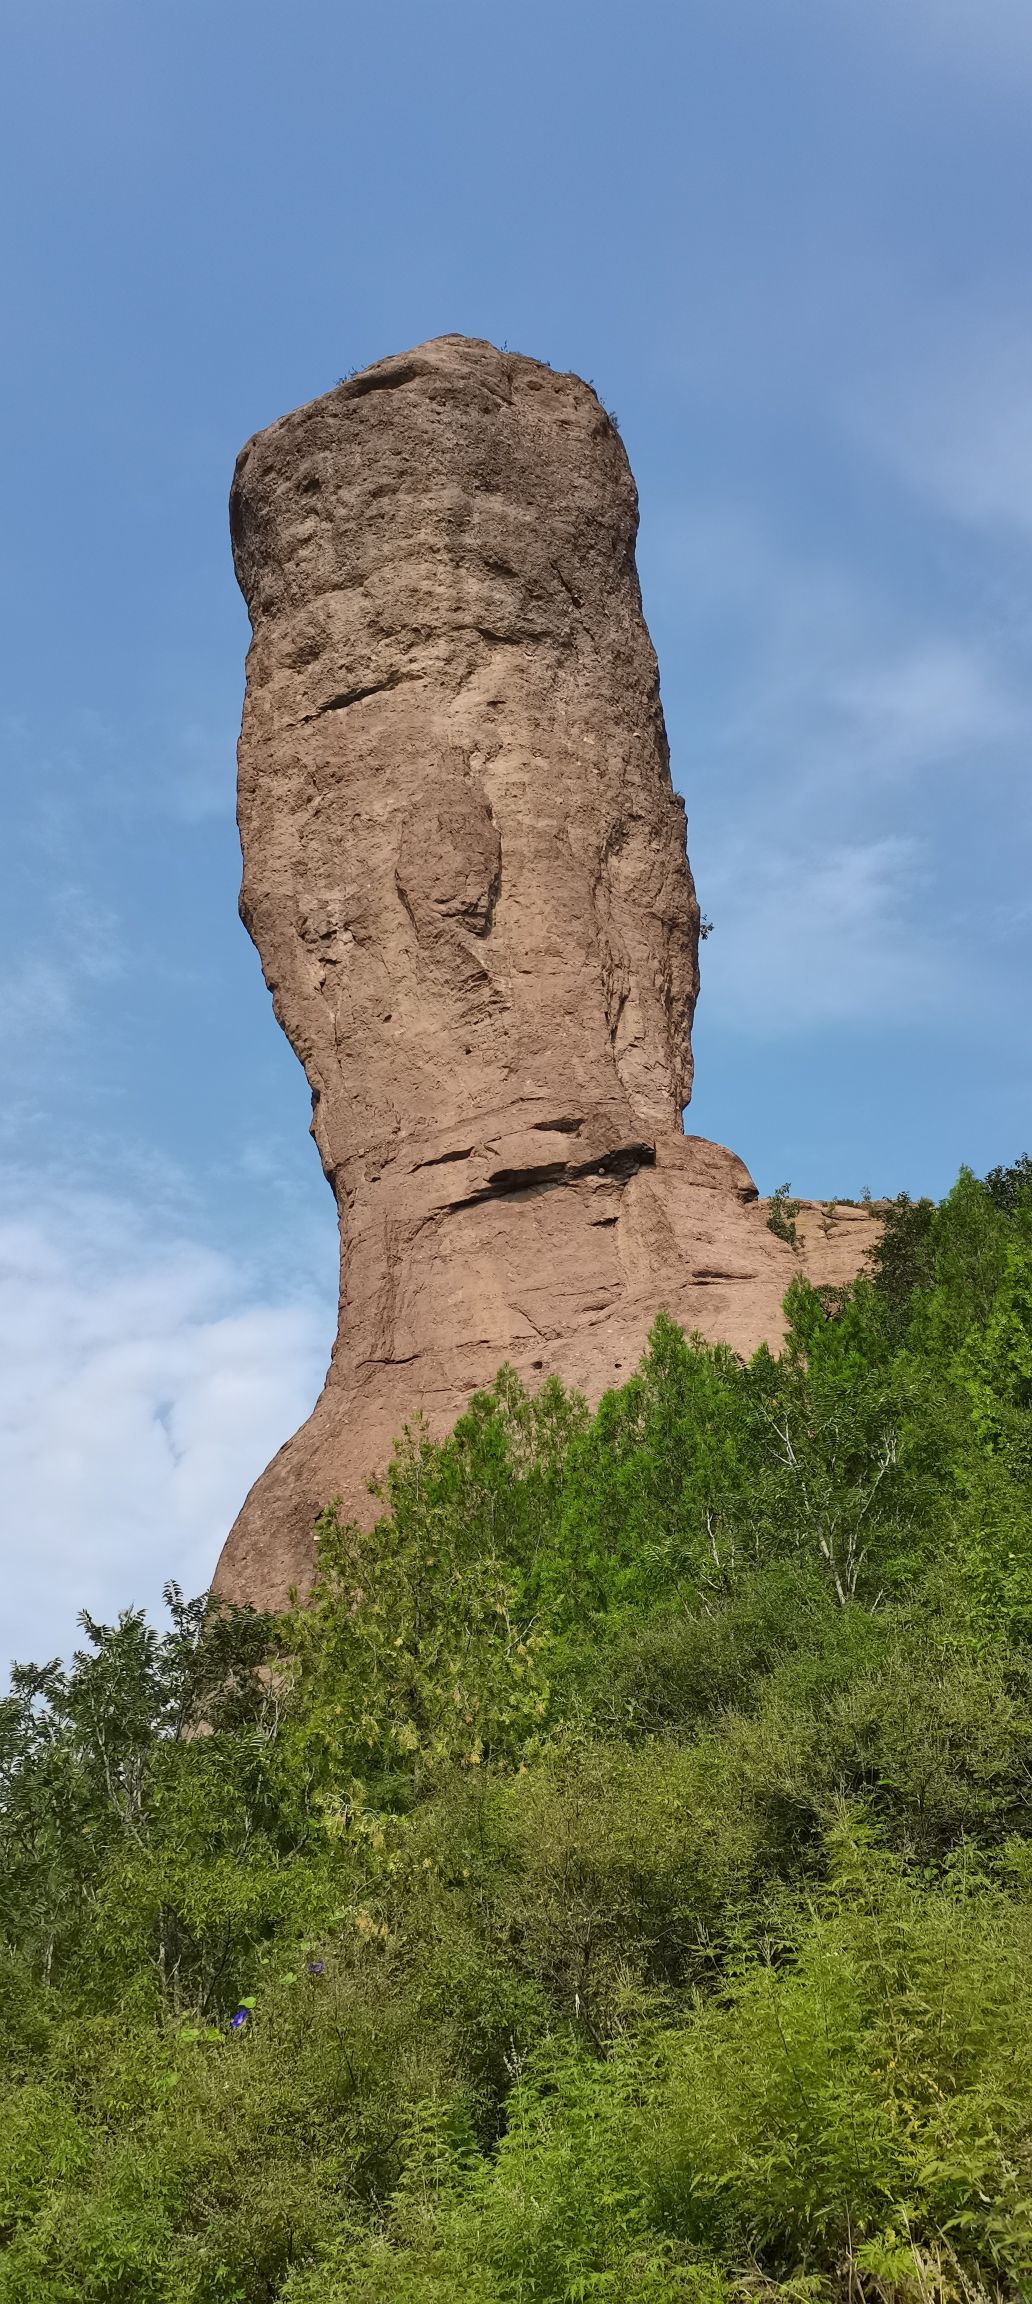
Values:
[(615, 1884)]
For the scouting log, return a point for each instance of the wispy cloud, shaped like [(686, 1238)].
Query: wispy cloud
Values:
[(851, 733), (85, 765), (36, 997), (202, 778), (956, 423), (925, 706), (148, 1381), (829, 675), (817, 934), (987, 38), (75, 947)]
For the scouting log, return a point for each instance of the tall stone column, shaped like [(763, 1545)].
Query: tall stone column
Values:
[(465, 873)]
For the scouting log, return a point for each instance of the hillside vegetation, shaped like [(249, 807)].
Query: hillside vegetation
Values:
[(618, 1883)]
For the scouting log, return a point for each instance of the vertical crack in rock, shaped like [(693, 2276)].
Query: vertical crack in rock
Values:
[(465, 873)]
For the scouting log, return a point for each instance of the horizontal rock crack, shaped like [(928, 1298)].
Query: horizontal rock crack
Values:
[(349, 696), (442, 1159), (508, 1183)]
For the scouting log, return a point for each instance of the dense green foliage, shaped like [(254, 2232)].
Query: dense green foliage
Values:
[(621, 1875)]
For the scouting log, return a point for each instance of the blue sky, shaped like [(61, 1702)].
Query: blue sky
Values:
[(788, 241)]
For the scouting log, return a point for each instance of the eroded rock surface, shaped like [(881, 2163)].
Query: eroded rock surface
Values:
[(465, 873)]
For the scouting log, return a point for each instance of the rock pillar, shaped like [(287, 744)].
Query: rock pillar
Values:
[(465, 873)]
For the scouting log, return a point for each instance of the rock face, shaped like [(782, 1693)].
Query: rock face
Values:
[(465, 873)]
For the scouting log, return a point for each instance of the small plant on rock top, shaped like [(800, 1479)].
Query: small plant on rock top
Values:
[(782, 1215)]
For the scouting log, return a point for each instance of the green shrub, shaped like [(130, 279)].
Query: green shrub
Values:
[(621, 1873)]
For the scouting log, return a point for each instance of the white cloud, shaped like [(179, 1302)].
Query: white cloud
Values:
[(146, 1384)]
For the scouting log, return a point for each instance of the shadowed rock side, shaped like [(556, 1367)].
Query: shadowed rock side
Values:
[(465, 873)]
